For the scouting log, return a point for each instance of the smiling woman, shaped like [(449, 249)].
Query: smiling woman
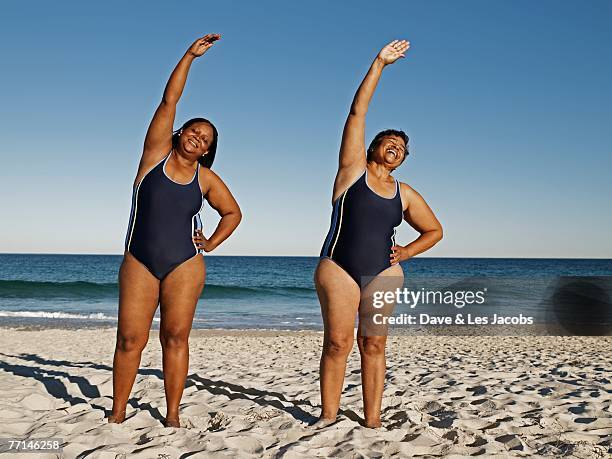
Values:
[(162, 263), (198, 132), (393, 141), (360, 248)]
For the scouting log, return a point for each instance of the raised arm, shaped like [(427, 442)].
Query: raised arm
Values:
[(158, 140), (420, 216), (352, 159)]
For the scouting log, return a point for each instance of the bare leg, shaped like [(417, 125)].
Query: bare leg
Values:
[(373, 365), (339, 297), (372, 340), (180, 291), (138, 299)]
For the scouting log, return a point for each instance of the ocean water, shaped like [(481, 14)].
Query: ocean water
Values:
[(262, 292)]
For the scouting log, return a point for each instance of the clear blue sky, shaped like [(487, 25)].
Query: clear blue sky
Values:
[(508, 105)]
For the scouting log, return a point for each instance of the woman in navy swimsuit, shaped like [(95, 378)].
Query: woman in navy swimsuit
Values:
[(162, 263), (360, 248)]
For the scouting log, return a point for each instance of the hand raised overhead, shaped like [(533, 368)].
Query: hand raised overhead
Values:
[(201, 45), (393, 51)]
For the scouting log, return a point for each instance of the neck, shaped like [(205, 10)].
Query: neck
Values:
[(182, 160), (379, 170)]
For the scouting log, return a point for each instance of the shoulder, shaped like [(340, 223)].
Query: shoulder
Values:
[(408, 194), (152, 156), (208, 179), (207, 174), (345, 178), (148, 163)]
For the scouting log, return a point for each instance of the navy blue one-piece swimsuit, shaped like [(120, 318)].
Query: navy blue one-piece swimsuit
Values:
[(362, 230), (163, 219)]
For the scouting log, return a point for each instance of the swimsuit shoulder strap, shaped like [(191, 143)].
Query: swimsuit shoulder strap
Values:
[(197, 177), (164, 161)]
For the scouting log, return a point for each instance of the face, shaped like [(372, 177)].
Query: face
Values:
[(196, 139), (391, 151)]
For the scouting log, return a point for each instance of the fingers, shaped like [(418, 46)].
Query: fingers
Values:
[(210, 38), (401, 46), (199, 240), (394, 51), (395, 256), (202, 44)]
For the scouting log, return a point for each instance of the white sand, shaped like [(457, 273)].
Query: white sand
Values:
[(252, 394)]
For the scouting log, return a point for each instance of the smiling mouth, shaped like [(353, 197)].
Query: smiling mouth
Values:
[(390, 150), (193, 143)]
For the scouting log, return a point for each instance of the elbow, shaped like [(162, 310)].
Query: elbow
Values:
[(231, 217), (434, 235), (357, 112), (169, 101), (237, 213)]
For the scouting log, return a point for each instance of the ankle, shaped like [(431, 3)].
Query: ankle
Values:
[(372, 424), (327, 414), (116, 417), (172, 422)]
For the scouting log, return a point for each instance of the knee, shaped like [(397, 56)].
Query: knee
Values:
[(174, 338), (127, 342), (338, 346), (372, 346)]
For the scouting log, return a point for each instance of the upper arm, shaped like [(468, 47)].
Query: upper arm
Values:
[(158, 140), (417, 213), (217, 193), (352, 161), (352, 148)]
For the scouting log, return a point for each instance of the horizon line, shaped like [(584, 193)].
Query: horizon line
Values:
[(311, 256)]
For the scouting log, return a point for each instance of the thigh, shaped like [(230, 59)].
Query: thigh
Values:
[(339, 297), (180, 291), (138, 297), (378, 299)]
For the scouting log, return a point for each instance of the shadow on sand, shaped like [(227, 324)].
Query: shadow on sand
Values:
[(50, 378)]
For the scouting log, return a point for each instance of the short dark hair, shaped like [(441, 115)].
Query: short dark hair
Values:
[(378, 138), (208, 158)]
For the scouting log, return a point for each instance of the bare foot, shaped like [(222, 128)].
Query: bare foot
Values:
[(172, 422), (373, 425), (116, 418), (322, 422)]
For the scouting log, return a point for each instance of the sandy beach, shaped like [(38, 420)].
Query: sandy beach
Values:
[(253, 394)]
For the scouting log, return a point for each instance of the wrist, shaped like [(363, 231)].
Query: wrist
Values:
[(210, 246), (379, 62)]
